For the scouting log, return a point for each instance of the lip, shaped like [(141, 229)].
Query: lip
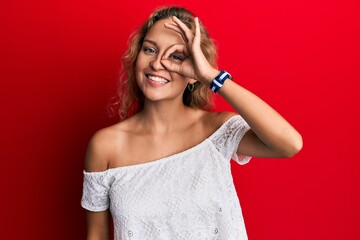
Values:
[(155, 83)]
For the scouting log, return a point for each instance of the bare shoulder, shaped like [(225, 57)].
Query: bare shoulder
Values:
[(102, 145), (216, 119)]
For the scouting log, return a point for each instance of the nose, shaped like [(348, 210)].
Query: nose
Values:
[(156, 63)]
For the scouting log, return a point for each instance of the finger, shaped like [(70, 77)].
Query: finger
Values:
[(175, 48), (184, 28), (175, 28), (171, 66), (178, 29), (197, 37)]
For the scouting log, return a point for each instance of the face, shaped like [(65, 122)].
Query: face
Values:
[(153, 79)]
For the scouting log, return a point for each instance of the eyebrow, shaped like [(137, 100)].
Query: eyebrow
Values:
[(150, 41), (153, 42)]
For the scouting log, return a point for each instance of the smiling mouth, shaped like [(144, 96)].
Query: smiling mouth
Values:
[(156, 79)]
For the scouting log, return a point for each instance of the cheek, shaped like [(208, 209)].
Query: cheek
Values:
[(180, 79), (137, 64), (139, 67), (140, 62)]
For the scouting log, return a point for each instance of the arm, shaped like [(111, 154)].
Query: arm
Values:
[(270, 135), (98, 225)]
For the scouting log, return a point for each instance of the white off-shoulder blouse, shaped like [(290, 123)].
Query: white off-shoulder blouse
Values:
[(188, 195)]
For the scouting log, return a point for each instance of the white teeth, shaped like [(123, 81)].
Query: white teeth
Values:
[(157, 79)]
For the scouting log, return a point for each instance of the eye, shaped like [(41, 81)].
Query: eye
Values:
[(177, 57), (149, 50)]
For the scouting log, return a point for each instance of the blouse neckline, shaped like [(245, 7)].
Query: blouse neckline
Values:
[(167, 158)]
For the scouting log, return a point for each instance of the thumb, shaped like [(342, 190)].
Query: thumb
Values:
[(171, 66)]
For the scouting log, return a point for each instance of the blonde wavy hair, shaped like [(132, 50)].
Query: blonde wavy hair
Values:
[(130, 99)]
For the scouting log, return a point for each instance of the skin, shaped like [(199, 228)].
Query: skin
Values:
[(166, 126)]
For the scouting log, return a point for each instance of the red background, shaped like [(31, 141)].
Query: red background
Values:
[(59, 66)]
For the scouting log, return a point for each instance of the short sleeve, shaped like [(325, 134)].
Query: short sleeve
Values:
[(95, 196), (228, 137)]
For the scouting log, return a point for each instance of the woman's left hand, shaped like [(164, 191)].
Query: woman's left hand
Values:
[(195, 66)]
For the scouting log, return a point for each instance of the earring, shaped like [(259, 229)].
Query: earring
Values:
[(191, 87)]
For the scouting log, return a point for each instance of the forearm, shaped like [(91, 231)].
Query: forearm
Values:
[(268, 125)]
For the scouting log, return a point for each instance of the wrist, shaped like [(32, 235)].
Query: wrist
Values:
[(219, 80), (211, 76)]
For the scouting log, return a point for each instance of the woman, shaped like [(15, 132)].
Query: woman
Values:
[(163, 172)]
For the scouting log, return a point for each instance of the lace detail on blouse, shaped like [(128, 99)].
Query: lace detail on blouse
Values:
[(228, 136), (189, 195)]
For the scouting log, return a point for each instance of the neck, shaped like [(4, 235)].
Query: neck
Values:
[(163, 117)]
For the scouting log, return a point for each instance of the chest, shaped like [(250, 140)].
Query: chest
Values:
[(143, 148), (190, 192)]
